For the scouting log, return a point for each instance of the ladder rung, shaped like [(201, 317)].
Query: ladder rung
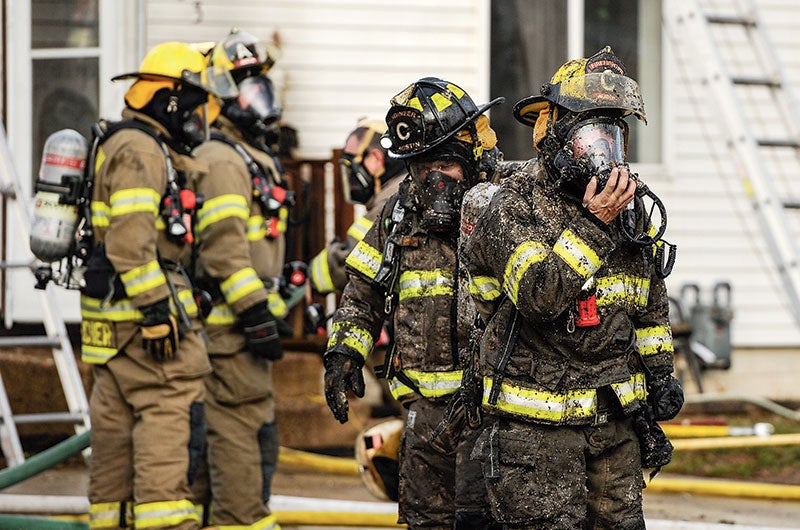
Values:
[(764, 142), (11, 342), (756, 81), (791, 205), (48, 417), (731, 20)]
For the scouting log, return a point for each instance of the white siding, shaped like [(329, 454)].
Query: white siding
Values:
[(343, 59), (711, 219)]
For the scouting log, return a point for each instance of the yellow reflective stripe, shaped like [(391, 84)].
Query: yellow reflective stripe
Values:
[(485, 287), (277, 305), (186, 298), (321, 273), (623, 288), (142, 279), (240, 284), (101, 214), (107, 515), (654, 340), (632, 390), (269, 522), (256, 228), (359, 228), (365, 259), (430, 384), (574, 406), (577, 254), (99, 158), (164, 513), (521, 259), (222, 207), (134, 200), (353, 337), (416, 283), (121, 311), (221, 315), (97, 354)]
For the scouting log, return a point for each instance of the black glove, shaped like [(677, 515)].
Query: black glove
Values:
[(261, 332), (159, 331), (665, 395), (342, 373)]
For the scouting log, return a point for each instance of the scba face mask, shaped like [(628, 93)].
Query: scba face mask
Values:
[(255, 109), (357, 182), (440, 198), (592, 148)]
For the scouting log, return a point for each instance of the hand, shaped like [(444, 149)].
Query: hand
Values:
[(159, 331), (342, 373), (665, 395), (261, 332), (613, 198)]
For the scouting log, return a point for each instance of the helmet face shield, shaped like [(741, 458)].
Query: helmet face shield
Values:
[(600, 143), (601, 90), (214, 80)]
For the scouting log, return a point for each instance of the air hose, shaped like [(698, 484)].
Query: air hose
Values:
[(44, 460)]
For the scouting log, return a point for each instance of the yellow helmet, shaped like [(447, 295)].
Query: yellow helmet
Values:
[(587, 84), (169, 63), (378, 457)]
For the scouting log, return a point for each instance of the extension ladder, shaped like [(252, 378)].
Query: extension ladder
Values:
[(732, 53), (56, 336)]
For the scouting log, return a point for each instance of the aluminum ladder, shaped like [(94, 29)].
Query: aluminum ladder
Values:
[(758, 116), (56, 336)]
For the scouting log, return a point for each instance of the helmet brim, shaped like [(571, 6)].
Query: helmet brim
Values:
[(481, 110), (217, 81), (526, 111)]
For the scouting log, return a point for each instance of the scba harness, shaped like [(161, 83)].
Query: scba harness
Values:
[(66, 267)]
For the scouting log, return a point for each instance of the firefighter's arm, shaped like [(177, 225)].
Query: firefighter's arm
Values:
[(654, 343), (328, 267), (137, 180)]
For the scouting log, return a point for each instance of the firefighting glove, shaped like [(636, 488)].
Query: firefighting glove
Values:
[(261, 332), (342, 373), (665, 395), (159, 331)]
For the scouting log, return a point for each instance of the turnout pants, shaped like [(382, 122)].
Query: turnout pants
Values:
[(147, 437)]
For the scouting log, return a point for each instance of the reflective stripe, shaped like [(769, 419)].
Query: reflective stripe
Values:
[(416, 283), (101, 214), (164, 513), (222, 207), (240, 284), (256, 228), (186, 298), (283, 218), (353, 337), (277, 305), (485, 287), (122, 311), (623, 288), (359, 228), (107, 515), (571, 407), (142, 279), (577, 254), (521, 259), (430, 384), (365, 259), (654, 340), (221, 315), (135, 200), (321, 273), (97, 354)]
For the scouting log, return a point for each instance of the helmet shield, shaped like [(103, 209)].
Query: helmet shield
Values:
[(595, 91), (600, 143)]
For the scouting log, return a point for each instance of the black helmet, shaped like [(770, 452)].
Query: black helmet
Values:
[(243, 55), (427, 113)]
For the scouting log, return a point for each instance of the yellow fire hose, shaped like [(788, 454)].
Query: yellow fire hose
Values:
[(710, 431), (696, 444)]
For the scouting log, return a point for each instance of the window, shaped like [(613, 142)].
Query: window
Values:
[(532, 38), (65, 69)]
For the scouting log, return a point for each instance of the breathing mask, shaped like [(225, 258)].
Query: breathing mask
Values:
[(358, 183), (591, 148), (439, 197), (255, 110)]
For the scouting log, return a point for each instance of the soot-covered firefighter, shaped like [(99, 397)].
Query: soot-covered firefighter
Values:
[(577, 355)]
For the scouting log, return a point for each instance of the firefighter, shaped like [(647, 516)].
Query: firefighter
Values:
[(139, 327), (240, 256), (405, 270), (578, 351), (369, 177)]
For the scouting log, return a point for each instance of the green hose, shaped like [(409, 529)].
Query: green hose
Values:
[(44, 460), (21, 522)]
